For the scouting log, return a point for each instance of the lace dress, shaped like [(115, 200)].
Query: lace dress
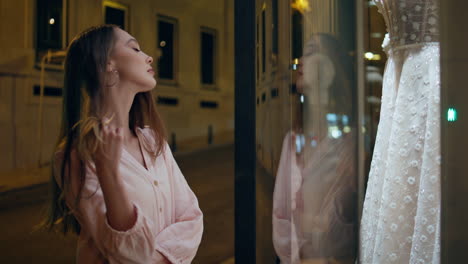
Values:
[(401, 216)]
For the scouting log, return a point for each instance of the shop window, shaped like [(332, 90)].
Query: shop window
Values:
[(167, 43), (208, 56), (116, 14), (50, 29)]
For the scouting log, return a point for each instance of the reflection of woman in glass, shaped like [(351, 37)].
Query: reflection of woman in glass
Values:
[(314, 208), (116, 183), (401, 216)]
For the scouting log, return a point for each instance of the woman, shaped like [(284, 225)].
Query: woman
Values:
[(315, 186), (116, 183)]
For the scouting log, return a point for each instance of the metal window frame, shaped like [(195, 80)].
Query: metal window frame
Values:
[(245, 151)]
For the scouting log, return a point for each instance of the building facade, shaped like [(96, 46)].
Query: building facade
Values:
[(191, 42)]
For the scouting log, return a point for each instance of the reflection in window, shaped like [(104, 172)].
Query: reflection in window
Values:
[(263, 41), (257, 47), (274, 32), (208, 56), (167, 28), (297, 32), (314, 200)]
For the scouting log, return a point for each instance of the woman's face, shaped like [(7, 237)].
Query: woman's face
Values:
[(132, 64)]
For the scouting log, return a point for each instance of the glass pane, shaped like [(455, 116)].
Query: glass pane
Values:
[(401, 211), (341, 135), (263, 41), (307, 132), (115, 16), (207, 57), (166, 44), (49, 24), (454, 124)]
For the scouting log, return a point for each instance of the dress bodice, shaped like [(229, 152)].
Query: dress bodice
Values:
[(410, 21)]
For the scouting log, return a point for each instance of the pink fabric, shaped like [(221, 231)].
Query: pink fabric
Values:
[(169, 220), (286, 237), (310, 199)]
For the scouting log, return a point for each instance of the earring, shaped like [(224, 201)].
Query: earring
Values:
[(114, 78)]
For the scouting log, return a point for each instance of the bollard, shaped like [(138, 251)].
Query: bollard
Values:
[(210, 134), (173, 142)]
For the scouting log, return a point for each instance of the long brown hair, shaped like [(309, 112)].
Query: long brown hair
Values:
[(85, 69)]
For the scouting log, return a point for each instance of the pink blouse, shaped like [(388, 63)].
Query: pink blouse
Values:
[(169, 220)]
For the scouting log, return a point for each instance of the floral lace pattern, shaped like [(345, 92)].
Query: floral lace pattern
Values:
[(410, 21), (401, 216)]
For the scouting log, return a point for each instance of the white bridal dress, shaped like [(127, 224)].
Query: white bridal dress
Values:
[(401, 216)]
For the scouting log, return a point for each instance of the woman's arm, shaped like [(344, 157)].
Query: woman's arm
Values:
[(120, 211), (179, 241), (285, 237), (118, 227)]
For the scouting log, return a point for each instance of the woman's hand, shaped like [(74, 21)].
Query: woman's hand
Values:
[(121, 214), (107, 157)]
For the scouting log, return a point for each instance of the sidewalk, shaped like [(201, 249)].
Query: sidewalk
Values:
[(23, 186), (27, 185), (209, 173)]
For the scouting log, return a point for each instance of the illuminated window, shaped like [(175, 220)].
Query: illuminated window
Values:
[(50, 26), (115, 13), (167, 32), (208, 56)]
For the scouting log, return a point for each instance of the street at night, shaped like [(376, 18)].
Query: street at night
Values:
[(210, 173), (308, 131)]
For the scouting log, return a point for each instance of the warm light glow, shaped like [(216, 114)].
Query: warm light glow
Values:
[(162, 43), (346, 129), (52, 21), (301, 5), (295, 64), (372, 56), (369, 55), (376, 35)]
